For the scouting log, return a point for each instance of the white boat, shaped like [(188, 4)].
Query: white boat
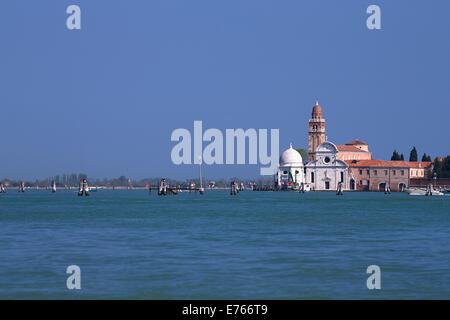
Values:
[(436, 193), (304, 187), (422, 192), (416, 191)]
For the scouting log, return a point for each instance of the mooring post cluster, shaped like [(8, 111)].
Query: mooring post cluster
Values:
[(234, 189), (83, 189)]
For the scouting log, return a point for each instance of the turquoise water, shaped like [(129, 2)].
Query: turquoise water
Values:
[(133, 245)]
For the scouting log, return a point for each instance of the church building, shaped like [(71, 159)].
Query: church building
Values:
[(352, 150), (326, 171), (291, 172), (349, 165), (326, 168)]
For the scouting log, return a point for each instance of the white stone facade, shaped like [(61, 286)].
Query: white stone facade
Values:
[(327, 171), (291, 171)]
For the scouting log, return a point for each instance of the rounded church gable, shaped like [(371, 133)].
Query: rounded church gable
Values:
[(327, 147)]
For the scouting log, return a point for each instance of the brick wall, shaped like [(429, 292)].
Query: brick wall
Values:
[(370, 179), (425, 181)]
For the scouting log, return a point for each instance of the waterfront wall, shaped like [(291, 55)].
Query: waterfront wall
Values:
[(423, 182)]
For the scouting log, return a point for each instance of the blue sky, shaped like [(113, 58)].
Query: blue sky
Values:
[(104, 100)]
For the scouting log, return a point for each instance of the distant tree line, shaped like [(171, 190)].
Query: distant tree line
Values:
[(413, 156), (69, 180), (441, 165), (72, 180)]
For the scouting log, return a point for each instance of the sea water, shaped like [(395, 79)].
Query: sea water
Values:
[(130, 244)]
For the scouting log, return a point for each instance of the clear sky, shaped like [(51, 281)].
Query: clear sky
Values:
[(104, 100)]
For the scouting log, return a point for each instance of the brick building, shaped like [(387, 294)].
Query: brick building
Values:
[(354, 150), (374, 175), (423, 182)]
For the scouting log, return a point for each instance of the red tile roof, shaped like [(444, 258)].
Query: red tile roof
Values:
[(348, 148), (356, 142), (387, 164)]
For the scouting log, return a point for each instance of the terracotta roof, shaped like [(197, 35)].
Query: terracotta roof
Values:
[(387, 164), (349, 148), (356, 142)]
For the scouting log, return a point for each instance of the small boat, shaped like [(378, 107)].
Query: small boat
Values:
[(53, 186), (304, 187), (416, 191), (423, 192), (435, 192)]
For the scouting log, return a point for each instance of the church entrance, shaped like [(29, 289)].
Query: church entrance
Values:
[(327, 185), (352, 184)]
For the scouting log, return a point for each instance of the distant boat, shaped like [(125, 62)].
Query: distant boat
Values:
[(304, 187), (422, 192), (416, 191), (53, 186)]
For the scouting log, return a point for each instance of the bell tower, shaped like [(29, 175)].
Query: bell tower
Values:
[(316, 131)]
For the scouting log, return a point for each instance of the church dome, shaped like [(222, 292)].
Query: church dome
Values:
[(291, 157), (317, 111)]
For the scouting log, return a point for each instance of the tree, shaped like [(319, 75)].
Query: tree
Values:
[(413, 155), (395, 156), (303, 153), (437, 167), (402, 157), (426, 158), (446, 167)]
